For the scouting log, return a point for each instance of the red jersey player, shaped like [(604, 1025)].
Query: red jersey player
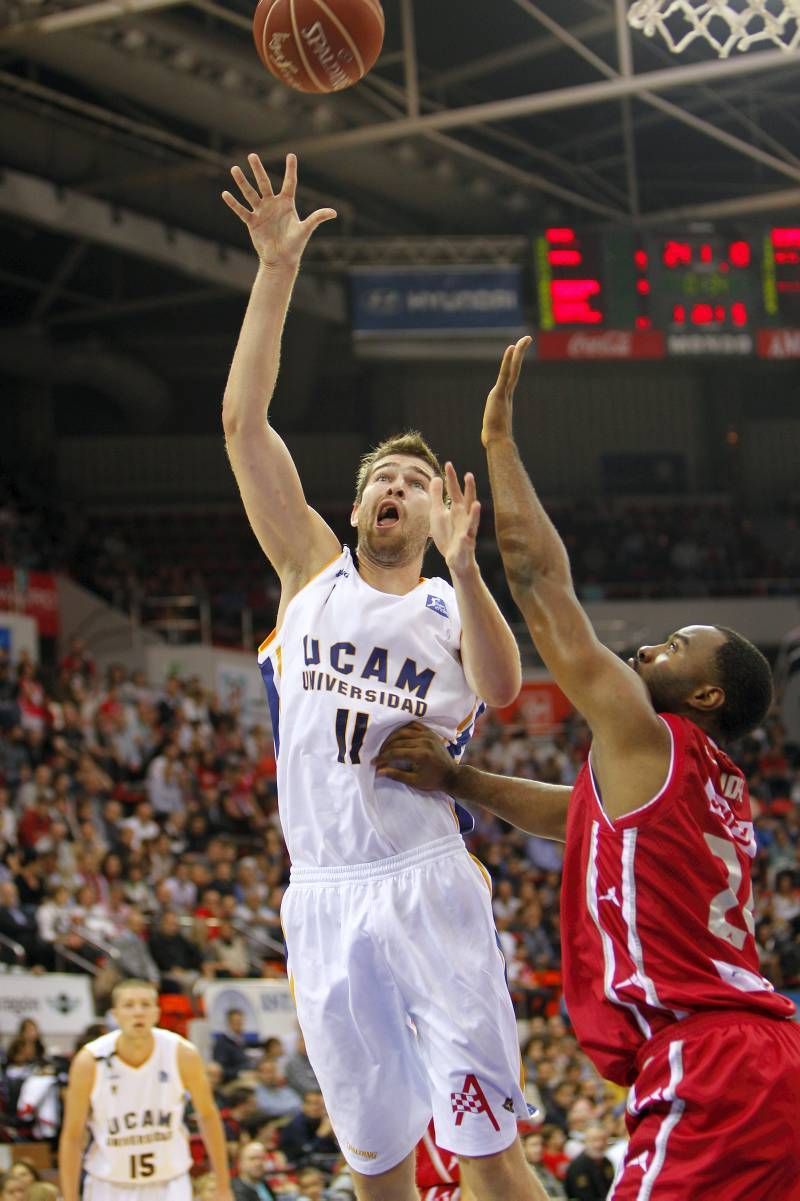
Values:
[(661, 971), (437, 1172)]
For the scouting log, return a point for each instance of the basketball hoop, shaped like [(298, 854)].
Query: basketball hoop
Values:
[(726, 24)]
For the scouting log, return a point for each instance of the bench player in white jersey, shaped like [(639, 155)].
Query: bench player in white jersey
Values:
[(129, 1089), (399, 985)]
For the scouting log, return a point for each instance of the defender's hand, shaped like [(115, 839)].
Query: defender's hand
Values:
[(454, 527), (278, 235), (416, 755), (498, 413)]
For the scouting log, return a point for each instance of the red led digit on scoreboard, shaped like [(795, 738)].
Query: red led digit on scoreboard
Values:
[(641, 263), (574, 297), (786, 252), (782, 276), (786, 239), (676, 254), (740, 254)]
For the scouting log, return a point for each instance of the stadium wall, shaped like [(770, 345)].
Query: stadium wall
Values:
[(706, 425)]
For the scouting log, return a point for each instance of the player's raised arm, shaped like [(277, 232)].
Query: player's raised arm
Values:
[(489, 651), (611, 696), (73, 1129), (294, 538), (415, 755), (193, 1075)]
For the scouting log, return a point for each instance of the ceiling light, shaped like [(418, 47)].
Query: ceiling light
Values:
[(445, 170), (517, 202), (184, 59), (278, 98), (482, 187), (133, 39), (407, 154), (323, 117)]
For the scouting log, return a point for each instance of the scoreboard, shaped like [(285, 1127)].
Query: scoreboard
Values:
[(702, 290)]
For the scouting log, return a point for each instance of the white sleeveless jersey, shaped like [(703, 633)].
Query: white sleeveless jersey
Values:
[(136, 1117), (348, 666)]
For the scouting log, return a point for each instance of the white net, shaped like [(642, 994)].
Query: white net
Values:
[(726, 24)]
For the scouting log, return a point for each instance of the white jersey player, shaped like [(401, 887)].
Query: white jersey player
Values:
[(349, 665), (399, 984), (129, 1088)]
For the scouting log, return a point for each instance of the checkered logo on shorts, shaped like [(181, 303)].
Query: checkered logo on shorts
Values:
[(471, 1099)]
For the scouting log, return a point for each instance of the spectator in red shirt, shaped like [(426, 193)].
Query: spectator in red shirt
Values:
[(554, 1157), (31, 698), (78, 661), (35, 823)]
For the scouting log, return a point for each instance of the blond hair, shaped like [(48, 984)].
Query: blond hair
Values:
[(123, 985), (409, 443)]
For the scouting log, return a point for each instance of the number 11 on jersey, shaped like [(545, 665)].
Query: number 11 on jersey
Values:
[(356, 739)]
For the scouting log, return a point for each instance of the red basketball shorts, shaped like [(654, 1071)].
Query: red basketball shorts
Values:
[(714, 1114)]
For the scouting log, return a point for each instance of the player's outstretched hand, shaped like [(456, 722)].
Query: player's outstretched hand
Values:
[(416, 755), (454, 526), (499, 410), (278, 235)]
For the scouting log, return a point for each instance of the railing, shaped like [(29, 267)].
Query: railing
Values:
[(86, 965), (66, 953), (687, 588), (248, 933), (174, 617), (16, 949), (258, 936), (188, 619)]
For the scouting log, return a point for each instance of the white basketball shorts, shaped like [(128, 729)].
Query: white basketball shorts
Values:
[(402, 999), (177, 1189)]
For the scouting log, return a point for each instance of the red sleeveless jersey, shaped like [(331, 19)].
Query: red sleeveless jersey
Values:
[(434, 1165), (656, 907)]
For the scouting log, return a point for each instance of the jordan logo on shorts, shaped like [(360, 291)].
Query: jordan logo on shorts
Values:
[(471, 1099)]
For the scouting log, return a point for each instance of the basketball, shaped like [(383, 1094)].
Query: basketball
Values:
[(318, 45)]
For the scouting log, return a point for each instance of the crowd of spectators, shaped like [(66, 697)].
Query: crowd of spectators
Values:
[(618, 549), (139, 836)]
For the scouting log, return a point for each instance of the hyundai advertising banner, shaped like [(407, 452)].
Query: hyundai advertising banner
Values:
[(427, 302)]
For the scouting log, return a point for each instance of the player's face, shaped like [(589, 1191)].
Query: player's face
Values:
[(136, 1011), (393, 515), (674, 668)]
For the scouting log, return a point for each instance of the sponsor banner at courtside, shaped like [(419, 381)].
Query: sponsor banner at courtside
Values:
[(695, 343), (33, 593), (428, 301), (59, 1002), (601, 344), (541, 707), (266, 1004), (778, 343)]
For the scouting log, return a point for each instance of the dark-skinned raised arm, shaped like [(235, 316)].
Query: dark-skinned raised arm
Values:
[(611, 697)]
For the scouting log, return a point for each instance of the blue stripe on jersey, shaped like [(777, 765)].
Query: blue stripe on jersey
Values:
[(273, 700), (458, 745), (466, 822), (502, 955)]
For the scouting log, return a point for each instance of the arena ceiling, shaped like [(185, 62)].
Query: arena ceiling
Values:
[(482, 121)]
